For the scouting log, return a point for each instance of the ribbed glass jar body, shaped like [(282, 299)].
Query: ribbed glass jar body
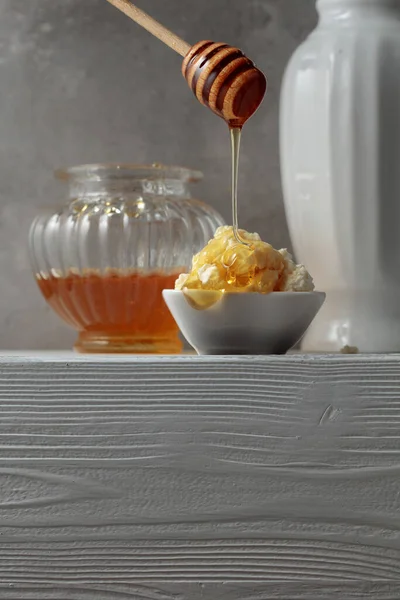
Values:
[(102, 260)]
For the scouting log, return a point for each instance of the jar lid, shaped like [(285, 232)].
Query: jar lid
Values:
[(101, 172)]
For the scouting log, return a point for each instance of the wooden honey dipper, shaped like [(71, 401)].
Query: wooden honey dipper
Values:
[(220, 76)]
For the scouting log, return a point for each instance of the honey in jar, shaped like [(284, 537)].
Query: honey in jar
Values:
[(115, 312)]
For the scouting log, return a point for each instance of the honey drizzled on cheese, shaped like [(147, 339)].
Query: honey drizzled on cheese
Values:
[(226, 265)]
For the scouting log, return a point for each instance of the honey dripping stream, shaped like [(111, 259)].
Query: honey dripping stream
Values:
[(236, 135), (201, 299), (205, 299)]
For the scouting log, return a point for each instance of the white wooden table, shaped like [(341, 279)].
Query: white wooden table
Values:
[(199, 478)]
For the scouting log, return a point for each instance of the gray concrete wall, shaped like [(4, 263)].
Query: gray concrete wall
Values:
[(80, 83)]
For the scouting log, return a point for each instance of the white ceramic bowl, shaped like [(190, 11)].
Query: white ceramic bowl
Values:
[(245, 323)]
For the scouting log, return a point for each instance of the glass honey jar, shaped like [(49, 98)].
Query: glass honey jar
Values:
[(123, 235)]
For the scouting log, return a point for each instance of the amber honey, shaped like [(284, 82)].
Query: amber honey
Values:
[(115, 312)]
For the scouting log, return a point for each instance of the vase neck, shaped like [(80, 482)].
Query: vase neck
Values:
[(345, 11)]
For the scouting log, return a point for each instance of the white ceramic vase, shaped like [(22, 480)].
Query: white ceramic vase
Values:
[(340, 156)]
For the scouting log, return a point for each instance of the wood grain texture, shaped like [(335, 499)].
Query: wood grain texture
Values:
[(200, 478)]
